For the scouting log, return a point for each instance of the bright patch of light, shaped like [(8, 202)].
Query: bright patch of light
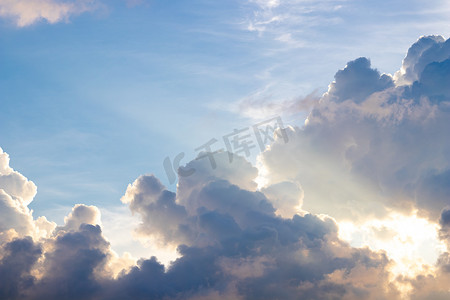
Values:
[(411, 242), (262, 179)]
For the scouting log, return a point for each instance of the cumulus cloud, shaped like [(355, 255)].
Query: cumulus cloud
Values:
[(41, 261), (161, 216), (69, 268), (81, 214), (231, 243), (286, 197), (357, 81), (14, 183), (376, 145), (16, 192), (237, 247), (15, 267), (426, 50), (28, 12), (14, 215)]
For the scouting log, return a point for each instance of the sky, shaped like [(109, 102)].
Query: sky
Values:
[(345, 195)]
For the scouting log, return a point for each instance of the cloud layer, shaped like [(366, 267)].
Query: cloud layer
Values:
[(374, 145)]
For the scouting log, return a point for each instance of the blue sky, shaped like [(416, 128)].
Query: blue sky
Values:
[(91, 101)]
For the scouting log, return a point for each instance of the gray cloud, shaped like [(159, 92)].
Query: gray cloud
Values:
[(236, 247), (239, 248), (70, 267), (15, 267), (161, 216), (357, 81)]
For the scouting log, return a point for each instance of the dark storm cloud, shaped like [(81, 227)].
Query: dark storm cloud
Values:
[(15, 266), (445, 218), (239, 248), (69, 268)]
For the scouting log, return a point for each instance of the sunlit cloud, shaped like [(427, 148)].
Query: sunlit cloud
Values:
[(25, 13), (410, 241)]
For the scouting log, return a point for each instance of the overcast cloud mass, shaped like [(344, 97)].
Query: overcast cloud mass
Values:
[(373, 147)]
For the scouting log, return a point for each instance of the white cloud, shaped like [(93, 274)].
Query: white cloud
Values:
[(285, 19), (14, 183), (27, 12), (16, 193), (81, 214), (286, 197), (415, 61)]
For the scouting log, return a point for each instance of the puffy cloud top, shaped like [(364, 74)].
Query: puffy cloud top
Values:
[(426, 50), (14, 183), (357, 81), (16, 192), (81, 214)]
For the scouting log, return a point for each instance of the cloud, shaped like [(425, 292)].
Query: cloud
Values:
[(435, 285), (237, 247), (357, 81), (378, 146), (230, 241), (40, 260), (426, 50), (70, 268), (14, 183), (16, 193), (280, 17), (161, 216), (286, 197), (375, 147), (264, 104), (27, 12), (81, 214), (14, 215), (15, 267), (445, 218)]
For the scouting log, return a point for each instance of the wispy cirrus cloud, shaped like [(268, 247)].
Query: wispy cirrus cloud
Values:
[(285, 19)]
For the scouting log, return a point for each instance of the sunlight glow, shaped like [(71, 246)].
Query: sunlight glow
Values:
[(411, 242)]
